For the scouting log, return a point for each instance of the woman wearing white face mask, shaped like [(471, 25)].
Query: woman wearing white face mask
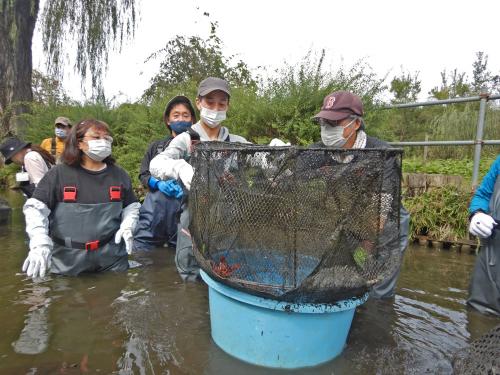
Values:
[(342, 126), (83, 213)]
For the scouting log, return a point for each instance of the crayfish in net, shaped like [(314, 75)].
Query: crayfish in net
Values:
[(223, 269)]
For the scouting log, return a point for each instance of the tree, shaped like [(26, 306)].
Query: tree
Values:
[(405, 88), (192, 59), (17, 23), (458, 86), (93, 25), (47, 90), (482, 79)]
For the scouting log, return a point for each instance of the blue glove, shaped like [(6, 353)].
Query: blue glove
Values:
[(153, 183), (170, 188)]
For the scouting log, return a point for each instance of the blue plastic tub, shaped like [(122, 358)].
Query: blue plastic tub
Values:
[(270, 333)]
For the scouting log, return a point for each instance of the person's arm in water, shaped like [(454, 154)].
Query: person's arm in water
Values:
[(36, 213)]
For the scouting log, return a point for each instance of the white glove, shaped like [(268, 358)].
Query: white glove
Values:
[(164, 168), (186, 175), (127, 236), (481, 225), (130, 216), (38, 261), (275, 142)]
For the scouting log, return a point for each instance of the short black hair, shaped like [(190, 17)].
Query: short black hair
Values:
[(179, 99)]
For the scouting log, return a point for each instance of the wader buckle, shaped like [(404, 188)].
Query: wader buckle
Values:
[(92, 245), (69, 194), (115, 193)]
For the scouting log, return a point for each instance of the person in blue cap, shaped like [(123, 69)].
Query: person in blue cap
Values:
[(159, 212), (484, 209)]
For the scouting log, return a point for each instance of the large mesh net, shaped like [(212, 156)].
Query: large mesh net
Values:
[(294, 224), (481, 357)]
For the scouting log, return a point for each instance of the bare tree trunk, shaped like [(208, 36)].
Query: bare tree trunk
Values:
[(17, 23)]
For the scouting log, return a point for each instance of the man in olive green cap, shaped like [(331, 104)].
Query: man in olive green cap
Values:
[(55, 145)]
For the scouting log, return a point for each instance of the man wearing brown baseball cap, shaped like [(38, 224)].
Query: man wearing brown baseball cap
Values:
[(341, 120), (342, 126)]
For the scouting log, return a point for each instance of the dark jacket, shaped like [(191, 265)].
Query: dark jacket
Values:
[(371, 142), (154, 149)]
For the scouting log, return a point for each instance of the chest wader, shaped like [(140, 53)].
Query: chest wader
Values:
[(484, 289), (158, 217), (386, 288), (83, 235)]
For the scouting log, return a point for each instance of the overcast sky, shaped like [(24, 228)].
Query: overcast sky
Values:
[(424, 36)]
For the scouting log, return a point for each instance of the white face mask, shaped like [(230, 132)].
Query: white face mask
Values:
[(212, 118), (333, 136), (99, 149)]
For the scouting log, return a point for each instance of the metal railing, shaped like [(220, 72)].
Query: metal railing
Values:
[(478, 142)]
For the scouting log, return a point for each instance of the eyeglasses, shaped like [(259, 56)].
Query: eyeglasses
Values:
[(97, 137), (62, 126)]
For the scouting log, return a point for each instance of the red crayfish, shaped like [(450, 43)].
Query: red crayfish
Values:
[(223, 269)]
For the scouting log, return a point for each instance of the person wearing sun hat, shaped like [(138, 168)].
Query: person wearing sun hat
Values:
[(34, 161)]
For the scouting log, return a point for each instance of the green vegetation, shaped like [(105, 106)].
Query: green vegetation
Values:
[(360, 255), (440, 213), (281, 104), (455, 167)]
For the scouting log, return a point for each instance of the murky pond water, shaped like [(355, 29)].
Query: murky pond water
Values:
[(146, 321)]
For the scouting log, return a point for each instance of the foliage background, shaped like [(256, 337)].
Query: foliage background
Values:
[(281, 104)]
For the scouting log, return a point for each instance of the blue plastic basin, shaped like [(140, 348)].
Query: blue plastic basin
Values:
[(270, 333)]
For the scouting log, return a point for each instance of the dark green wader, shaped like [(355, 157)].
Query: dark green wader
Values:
[(83, 236), (484, 289)]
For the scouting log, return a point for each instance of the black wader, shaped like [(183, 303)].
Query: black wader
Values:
[(484, 289)]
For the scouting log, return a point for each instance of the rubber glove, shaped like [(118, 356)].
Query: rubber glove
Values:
[(481, 225), (130, 216), (170, 188), (38, 261), (186, 175), (128, 238), (153, 183), (276, 142)]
